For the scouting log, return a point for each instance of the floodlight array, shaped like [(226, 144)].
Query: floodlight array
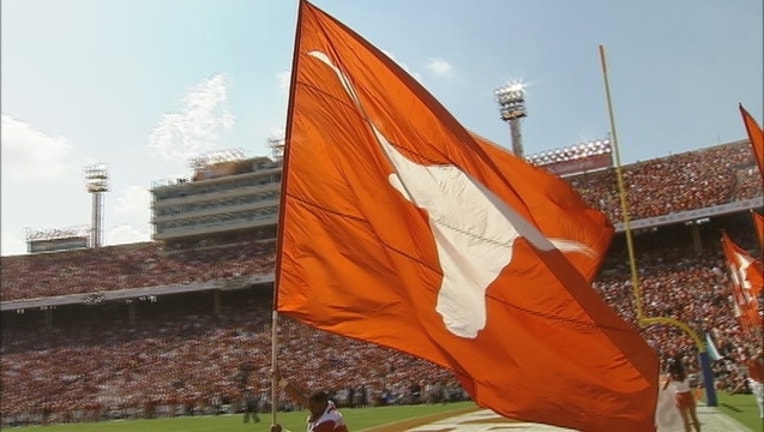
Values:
[(97, 178), (575, 152), (511, 100)]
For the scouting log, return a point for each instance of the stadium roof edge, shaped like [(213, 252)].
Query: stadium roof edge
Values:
[(692, 215)]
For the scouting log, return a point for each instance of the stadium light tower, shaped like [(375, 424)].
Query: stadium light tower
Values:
[(97, 182), (511, 100), (277, 143)]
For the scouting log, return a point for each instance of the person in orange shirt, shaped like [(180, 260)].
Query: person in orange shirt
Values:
[(324, 415)]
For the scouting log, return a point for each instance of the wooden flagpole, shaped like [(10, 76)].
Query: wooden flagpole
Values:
[(274, 359), (280, 227)]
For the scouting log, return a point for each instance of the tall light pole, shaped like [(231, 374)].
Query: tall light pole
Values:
[(97, 182), (277, 144), (511, 100)]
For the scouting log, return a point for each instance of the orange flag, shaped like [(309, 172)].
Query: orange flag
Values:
[(758, 223), (399, 227), (756, 135), (746, 275)]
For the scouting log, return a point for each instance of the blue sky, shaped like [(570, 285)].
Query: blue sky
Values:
[(142, 85)]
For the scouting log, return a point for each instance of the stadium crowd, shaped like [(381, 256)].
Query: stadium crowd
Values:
[(675, 183), (694, 289), (130, 266), (681, 182), (180, 358)]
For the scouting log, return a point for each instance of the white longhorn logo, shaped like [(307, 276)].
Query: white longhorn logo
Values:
[(474, 230)]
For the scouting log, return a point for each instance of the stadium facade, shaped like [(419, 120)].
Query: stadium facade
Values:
[(221, 197)]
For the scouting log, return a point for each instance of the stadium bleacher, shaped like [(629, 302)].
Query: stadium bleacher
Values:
[(181, 354)]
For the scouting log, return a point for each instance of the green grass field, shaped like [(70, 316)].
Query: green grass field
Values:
[(742, 408), (358, 420)]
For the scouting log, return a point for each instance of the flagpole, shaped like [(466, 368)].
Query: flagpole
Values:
[(282, 213), (274, 358)]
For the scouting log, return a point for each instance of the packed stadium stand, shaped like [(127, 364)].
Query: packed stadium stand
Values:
[(171, 328)]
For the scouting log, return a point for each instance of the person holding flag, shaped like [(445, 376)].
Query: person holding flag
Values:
[(324, 415)]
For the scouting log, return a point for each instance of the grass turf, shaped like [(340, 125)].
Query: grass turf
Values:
[(741, 407), (358, 419)]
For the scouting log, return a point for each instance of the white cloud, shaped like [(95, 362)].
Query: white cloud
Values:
[(440, 68), (197, 128), (132, 206), (29, 154), (278, 132), (130, 218), (123, 234), (12, 244)]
